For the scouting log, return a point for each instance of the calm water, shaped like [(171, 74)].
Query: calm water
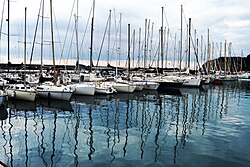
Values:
[(197, 128)]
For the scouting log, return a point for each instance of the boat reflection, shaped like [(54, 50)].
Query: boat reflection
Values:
[(21, 105), (53, 104), (147, 127), (3, 113)]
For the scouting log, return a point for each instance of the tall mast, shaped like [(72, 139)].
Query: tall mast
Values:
[(8, 34), (128, 51), (151, 43), (162, 41), (181, 38), (120, 37), (220, 62), (174, 49), (147, 43), (139, 48), (25, 44), (166, 58), (91, 41), (133, 52), (241, 61), (145, 46), (52, 40), (225, 57), (119, 47), (42, 35), (109, 36), (189, 42), (77, 46), (201, 47)]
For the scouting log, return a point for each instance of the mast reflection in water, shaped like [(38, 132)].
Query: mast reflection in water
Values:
[(196, 128)]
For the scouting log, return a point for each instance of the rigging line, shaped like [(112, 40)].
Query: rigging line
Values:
[(232, 59), (156, 52), (116, 33), (71, 43), (85, 31), (2, 20), (64, 43), (99, 55), (34, 39), (170, 33), (56, 25), (195, 52), (166, 18)]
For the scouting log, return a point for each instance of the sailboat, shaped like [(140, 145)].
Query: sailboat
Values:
[(81, 87), (22, 91), (53, 90)]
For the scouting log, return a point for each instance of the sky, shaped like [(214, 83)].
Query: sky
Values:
[(226, 20)]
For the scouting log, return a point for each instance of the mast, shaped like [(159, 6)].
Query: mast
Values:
[(147, 43), (162, 42), (174, 49), (139, 48), (166, 58), (181, 39), (133, 52), (201, 49), (91, 40), (128, 51), (225, 57), (120, 37), (77, 48), (189, 42), (208, 52), (241, 61), (52, 41), (151, 43), (42, 35), (159, 51), (8, 34), (109, 36), (25, 44), (145, 46), (197, 53), (77, 44), (119, 47)]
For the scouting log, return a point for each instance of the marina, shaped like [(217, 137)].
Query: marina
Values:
[(138, 90), (199, 127)]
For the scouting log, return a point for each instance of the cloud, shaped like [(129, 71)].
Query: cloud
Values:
[(227, 20)]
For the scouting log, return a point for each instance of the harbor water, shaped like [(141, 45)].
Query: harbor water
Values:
[(196, 127)]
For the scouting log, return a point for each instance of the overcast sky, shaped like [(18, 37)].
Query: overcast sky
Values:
[(227, 20)]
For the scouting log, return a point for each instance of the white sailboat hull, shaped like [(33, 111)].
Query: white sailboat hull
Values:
[(101, 90), (151, 85), (21, 95), (21, 92), (48, 90), (192, 82), (124, 88), (82, 89), (55, 95)]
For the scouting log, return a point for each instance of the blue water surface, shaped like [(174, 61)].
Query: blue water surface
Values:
[(199, 127)]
